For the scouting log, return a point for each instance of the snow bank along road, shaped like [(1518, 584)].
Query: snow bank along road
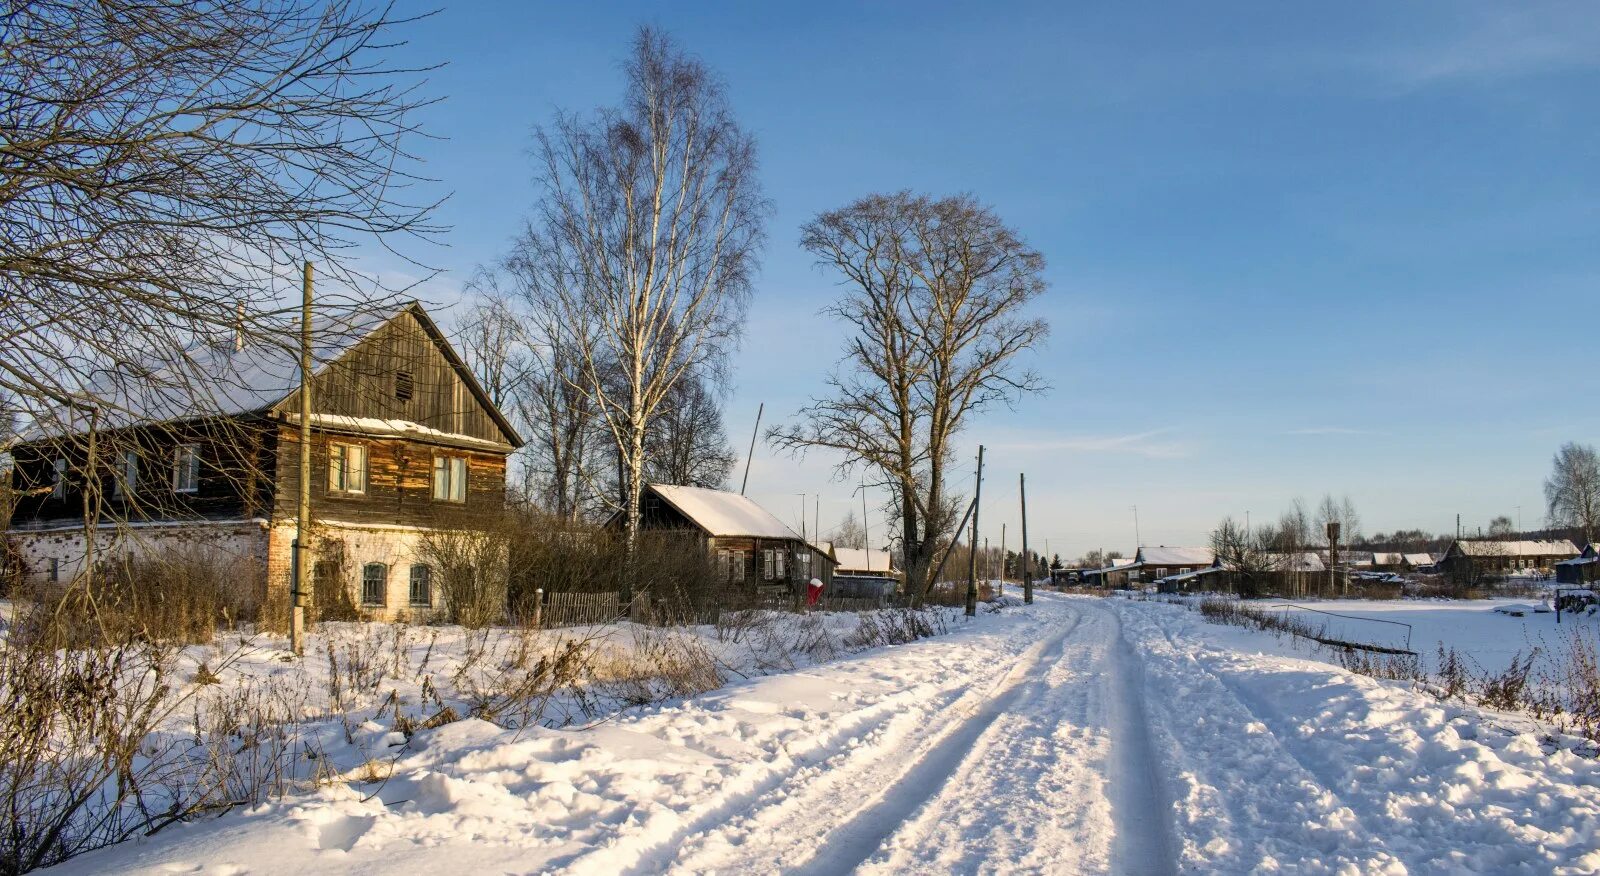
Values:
[(1076, 736)]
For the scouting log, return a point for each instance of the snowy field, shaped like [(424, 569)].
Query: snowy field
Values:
[(1487, 630), (1081, 735)]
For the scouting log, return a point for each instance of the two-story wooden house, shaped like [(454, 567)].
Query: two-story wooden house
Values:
[(404, 441)]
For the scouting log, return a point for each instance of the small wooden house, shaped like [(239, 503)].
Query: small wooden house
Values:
[(746, 544), (1467, 559), (864, 573), (404, 442), (1582, 569)]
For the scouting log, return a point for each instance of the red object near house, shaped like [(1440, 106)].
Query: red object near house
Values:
[(814, 592)]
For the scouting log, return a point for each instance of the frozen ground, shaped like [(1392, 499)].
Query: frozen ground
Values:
[(1079, 736), (1480, 628)]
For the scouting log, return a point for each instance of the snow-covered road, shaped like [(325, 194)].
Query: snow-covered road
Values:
[(1076, 736)]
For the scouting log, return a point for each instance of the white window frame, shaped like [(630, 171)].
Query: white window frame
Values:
[(347, 468), (766, 564), (427, 582), (450, 479), (58, 486), (738, 573), (186, 468), (383, 585), (779, 556)]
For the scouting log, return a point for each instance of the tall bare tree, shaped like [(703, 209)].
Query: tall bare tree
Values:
[(163, 166), (1248, 554), (935, 290), (642, 247), (1572, 492), (686, 443)]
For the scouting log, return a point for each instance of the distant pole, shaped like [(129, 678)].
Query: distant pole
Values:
[(1027, 558), (1002, 560), (803, 518), (866, 533), (1137, 541), (818, 521), (753, 432), (302, 528), (972, 566)]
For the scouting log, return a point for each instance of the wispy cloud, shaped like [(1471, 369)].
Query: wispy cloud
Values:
[(1491, 42), (1330, 430), (1150, 444)]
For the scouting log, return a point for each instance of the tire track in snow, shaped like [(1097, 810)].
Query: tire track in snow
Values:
[(1145, 842), (1030, 797), (852, 842), (765, 789), (1249, 803)]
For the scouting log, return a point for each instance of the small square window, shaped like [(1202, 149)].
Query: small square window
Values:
[(449, 479)]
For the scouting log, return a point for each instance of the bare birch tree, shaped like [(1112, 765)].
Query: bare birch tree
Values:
[(935, 291), (642, 247), (1572, 492)]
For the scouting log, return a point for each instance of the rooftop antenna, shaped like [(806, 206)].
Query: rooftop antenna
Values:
[(753, 432)]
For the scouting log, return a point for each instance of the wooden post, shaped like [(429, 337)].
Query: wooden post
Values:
[(1027, 558), (302, 529), (972, 564), (1002, 589), (538, 607)]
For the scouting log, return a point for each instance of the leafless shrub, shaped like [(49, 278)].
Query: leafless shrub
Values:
[(470, 571), (896, 626)]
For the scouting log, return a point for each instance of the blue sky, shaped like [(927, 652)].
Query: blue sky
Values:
[(1292, 248)]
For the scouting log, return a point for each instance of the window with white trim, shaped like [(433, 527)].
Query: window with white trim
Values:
[(736, 565), (128, 478), (374, 584), (186, 468), (58, 483), (450, 478), (779, 557), (421, 585), (347, 469)]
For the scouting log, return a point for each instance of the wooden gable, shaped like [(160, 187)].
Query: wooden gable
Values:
[(406, 370)]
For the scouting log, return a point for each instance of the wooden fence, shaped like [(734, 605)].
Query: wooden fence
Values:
[(580, 609)]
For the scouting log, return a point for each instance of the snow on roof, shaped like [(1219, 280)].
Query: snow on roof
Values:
[(1527, 548), (1418, 559), (208, 380), (395, 428), (861, 559), (1306, 561), (721, 513), (1176, 556), (1387, 558)]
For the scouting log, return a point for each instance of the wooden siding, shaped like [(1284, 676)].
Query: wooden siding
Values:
[(399, 488), (236, 471), (364, 382)]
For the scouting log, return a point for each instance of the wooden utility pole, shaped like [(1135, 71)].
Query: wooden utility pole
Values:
[(302, 528), (753, 432), (1027, 559), (972, 565), (1002, 590)]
